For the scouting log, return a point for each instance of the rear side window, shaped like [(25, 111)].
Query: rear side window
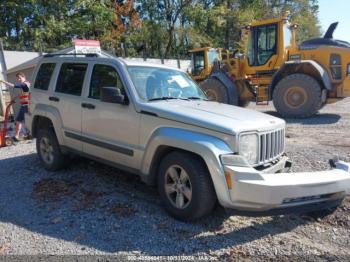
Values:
[(71, 78), (42, 80), (104, 76)]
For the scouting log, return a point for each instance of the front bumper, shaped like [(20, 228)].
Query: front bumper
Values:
[(259, 191)]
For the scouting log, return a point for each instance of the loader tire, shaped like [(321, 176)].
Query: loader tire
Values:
[(297, 96), (215, 90)]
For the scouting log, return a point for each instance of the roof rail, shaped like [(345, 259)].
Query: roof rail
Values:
[(72, 54)]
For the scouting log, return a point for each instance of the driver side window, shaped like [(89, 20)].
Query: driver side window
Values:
[(267, 38), (104, 76)]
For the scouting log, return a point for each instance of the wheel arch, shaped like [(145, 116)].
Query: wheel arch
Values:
[(307, 67), (230, 86), (44, 114), (160, 153), (40, 121), (206, 147)]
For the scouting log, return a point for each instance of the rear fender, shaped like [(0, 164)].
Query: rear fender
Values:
[(53, 115)]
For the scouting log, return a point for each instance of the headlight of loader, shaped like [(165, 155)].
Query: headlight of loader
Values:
[(348, 69), (248, 147)]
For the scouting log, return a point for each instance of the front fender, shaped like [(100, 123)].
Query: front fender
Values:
[(208, 147)]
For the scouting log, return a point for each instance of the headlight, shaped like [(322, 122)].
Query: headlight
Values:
[(348, 70), (248, 147)]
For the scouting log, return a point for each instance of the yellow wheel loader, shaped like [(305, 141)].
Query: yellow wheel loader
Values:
[(298, 79)]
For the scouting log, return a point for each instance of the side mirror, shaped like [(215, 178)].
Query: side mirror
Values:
[(113, 95)]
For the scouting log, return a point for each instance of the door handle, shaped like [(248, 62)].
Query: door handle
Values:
[(88, 106), (53, 98)]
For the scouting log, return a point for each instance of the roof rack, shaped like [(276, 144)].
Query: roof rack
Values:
[(73, 54)]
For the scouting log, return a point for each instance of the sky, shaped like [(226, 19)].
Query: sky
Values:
[(335, 11)]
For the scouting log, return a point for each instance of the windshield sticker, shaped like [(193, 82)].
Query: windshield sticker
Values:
[(180, 80)]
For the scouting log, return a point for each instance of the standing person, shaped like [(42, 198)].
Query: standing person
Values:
[(24, 86)]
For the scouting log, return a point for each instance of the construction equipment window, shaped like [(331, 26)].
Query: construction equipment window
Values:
[(212, 56), (287, 36), (198, 62), (250, 51), (266, 46)]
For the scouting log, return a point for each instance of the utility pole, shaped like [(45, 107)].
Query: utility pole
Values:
[(3, 77)]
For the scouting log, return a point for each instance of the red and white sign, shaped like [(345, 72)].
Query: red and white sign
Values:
[(87, 46)]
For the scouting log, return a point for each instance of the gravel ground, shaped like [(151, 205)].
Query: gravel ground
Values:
[(92, 209)]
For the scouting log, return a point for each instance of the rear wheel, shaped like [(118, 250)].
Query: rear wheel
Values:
[(215, 90), (297, 96), (49, 150), (185, 186)]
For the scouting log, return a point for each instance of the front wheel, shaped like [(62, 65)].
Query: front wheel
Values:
[(297, 96), (185, 186)]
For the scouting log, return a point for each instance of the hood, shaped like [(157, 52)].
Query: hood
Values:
[(326, 40), (317, 42), (215, 116)]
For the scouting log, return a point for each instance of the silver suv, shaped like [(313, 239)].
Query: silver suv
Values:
[(157, 123)]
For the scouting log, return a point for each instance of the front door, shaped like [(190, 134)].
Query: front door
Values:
[(262, 50), (110, 131)]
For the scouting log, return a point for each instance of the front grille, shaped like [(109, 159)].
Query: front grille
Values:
[(271, 145)]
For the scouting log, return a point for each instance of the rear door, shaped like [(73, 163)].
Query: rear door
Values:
[(67, 99), (263, 49), (110, 131)]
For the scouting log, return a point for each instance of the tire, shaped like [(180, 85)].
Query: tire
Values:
[(195, 177), (49, 150), (243, 103), (215, 90), (297, 96)]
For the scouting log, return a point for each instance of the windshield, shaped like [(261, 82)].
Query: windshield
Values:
[(154, 83), (287, 35), (250, 49), (197, 62), (212, 56)]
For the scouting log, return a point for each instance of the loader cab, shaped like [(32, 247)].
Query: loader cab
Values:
[(202, 60), (267, 45)]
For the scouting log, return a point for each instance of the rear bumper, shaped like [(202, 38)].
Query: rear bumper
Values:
[(259, 192)]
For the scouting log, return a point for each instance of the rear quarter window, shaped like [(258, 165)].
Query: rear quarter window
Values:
[(42, 80)]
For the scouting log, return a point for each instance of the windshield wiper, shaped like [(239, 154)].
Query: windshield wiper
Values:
[(196, 98), (162, 98)]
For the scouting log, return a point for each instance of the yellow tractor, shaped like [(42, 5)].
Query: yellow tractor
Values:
[(298, 79)]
